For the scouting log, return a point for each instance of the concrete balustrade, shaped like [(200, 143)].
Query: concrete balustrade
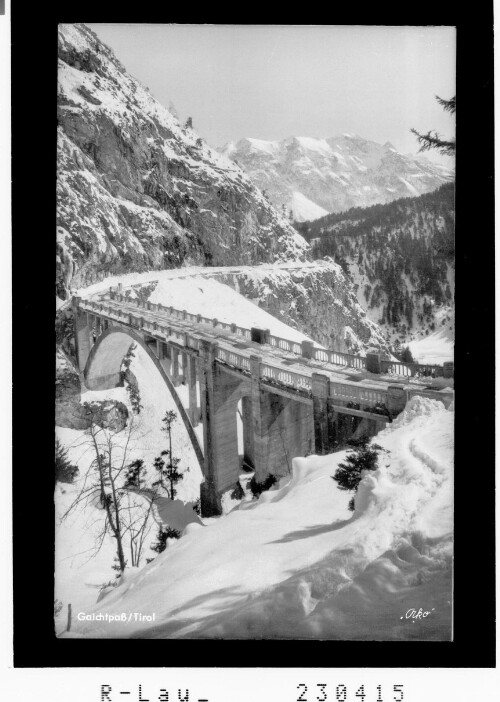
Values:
[(373, 361)]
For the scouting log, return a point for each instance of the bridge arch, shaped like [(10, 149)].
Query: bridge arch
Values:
[(102, 371)]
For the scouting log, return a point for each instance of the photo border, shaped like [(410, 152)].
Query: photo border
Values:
[(34, 173)]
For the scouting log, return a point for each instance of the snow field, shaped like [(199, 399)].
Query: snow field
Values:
[(296, 563)]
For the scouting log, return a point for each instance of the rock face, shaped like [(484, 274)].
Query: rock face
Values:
[(313, 177), (68, 389), (136, 190), (317, 300), (70, 413)]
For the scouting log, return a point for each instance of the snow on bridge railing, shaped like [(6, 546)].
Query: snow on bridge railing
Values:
[(241, 331), (358, 394), (285, 344), (338, 358), (411, 370), (280, 376), (223, 325), (231, 358)]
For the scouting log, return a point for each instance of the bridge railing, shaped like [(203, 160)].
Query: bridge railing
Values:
[(338, 358), (410, 370), (246, 333), (361, 395), (280, 376), (285, 344), (231, 358)]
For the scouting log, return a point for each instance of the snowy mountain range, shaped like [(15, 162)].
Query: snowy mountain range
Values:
[(137, 190), (312, 177)]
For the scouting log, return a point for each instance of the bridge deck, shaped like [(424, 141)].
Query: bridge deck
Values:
[(271, 355)]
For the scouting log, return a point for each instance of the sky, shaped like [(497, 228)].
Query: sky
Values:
[(271, 81)]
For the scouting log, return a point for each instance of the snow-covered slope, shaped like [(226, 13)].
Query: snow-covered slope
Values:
[(292, 300), (136, 190), (304, 209), (296, 563), (436, 347), (310, 175)]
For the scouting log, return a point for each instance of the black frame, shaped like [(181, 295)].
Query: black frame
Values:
[(34, 47)]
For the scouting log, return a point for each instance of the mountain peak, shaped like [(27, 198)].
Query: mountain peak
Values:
[(317, 175)]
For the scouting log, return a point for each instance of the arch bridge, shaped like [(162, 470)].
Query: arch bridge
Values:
[(293, 399)]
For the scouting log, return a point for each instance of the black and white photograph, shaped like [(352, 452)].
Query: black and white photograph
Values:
[(255, 332), (273, 253)]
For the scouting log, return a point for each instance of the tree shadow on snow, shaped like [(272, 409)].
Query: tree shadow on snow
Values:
[(312, 531)]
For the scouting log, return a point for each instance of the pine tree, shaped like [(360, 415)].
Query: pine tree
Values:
[(363, 456), (406, 355), (128, 379), (166, 464), (134, 477), (432, 140), (164, 533), (65, 471)]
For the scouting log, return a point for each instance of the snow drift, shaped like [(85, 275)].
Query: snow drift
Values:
[(297, 564)]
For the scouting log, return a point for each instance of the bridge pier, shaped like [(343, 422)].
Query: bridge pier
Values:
[(248, 433), (210, 498), (287, 430), (322, 425), (174, 355), (220, 393), (91, 328), (256, 440), (165, 359), (191, 380), (184, 376), (280, 428), (82, 334)]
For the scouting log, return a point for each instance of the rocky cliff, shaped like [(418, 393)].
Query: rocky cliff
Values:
[(318, 300), (69, 410), (138, 191)]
